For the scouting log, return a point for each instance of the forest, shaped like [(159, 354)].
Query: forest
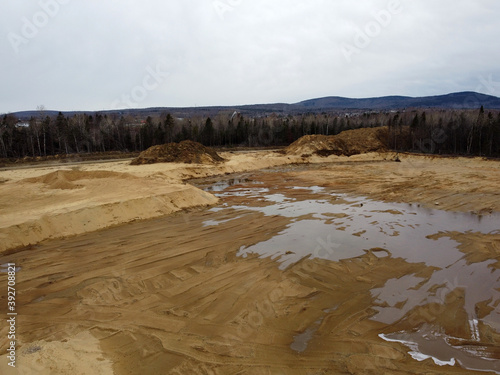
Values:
[(457, 132)]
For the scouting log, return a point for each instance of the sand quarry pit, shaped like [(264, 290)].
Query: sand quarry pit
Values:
[(264, 264)]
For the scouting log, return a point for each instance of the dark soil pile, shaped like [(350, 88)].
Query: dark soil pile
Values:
[(184, 152), (348, 143)]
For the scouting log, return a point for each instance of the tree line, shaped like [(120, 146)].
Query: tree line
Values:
[(461, 132)]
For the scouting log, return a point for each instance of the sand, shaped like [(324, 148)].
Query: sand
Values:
[(103, 290), (347, 143), (80, 354), (58, 201), (183, 152), (452, 184)]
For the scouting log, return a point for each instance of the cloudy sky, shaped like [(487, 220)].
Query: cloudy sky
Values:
[(107, 54)]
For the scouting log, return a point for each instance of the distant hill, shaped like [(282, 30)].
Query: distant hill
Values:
[(459, 100)]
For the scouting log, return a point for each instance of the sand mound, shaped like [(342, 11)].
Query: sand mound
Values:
[(56, 180), (40, 213), (313, 144), (65, 180), (184, 152), (350, 142)]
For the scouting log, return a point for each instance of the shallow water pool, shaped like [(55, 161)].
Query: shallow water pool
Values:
[(328, 225)]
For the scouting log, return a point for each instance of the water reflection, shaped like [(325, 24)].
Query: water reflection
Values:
[(339, 227)]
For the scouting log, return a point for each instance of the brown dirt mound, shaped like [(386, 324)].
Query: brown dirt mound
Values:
[(184, 152), (66, 179), (350, 142)]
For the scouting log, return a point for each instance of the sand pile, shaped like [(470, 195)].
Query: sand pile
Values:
[(314, 144), (56, 180), (64, 203), (183, 152), (350, 142), (65, 180)]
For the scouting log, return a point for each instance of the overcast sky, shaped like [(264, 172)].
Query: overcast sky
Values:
[(107, 54)]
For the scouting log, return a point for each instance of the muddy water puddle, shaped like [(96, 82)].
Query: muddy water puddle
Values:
[(332, 226)]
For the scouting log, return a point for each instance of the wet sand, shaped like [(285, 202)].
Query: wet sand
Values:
[(178, 294)]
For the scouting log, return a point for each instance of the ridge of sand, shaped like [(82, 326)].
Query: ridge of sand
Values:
[(90, 216), (57, 202)]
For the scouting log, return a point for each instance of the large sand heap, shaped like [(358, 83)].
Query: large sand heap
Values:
[(183, 152), (350, 142), (65, 202)]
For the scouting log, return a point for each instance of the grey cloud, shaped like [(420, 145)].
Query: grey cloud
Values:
[(91, 53)]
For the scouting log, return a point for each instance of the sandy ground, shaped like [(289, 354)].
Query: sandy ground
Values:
[(169, 295), (57, 201), (452, 184)]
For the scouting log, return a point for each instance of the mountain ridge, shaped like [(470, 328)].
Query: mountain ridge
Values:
[(456, 100)]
